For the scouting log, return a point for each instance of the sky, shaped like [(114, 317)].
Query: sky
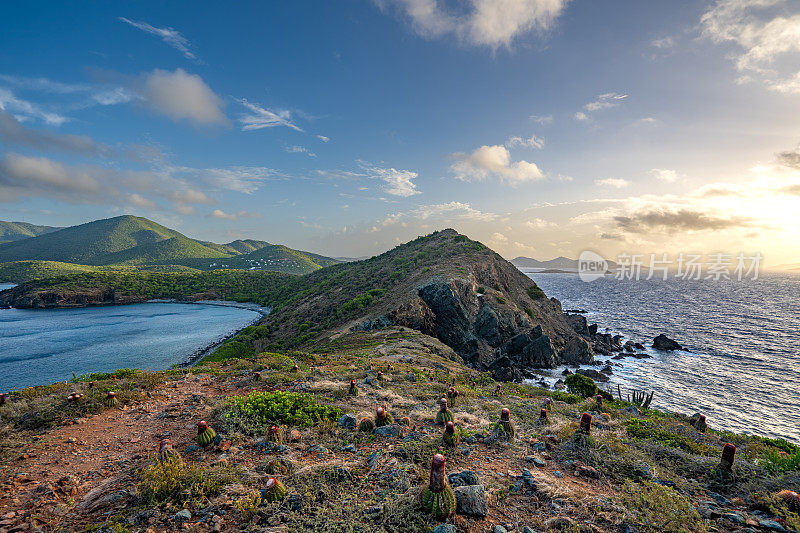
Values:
[(539, 127)]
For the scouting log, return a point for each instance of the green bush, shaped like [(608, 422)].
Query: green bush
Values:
[(655, 508), (779, 462), (178, 483), (120, 373), (581, 385), (535, 292), (280, 407), (672, 435), (561, 396)]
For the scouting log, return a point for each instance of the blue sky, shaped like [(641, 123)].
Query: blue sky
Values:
[(540, 127)]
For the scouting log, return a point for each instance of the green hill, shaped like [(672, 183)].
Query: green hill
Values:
[(15, 231), (131, 242)]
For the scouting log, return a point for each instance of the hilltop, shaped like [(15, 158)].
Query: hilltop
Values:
[(129, 242), (444, 285), (15, 231), (558, 264)]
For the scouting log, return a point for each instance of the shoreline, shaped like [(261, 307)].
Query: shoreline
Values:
[(198, 355)]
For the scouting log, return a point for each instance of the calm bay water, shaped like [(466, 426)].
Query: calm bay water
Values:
[(43, 346), (742, 367)]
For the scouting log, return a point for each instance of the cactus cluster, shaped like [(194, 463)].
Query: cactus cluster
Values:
[(166, 452), (353, 390), (74, 397), (438, 497), (273, 491), (382, 417), (275, 434), (452, 394), (451, 437), (279, 466), (111, 399), (205, 434), (444, 415)]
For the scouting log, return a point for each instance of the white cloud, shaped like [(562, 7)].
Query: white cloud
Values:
[(40, 173), (767, 35), (138, 200), (518, 142), (323, 138), (605, 101), (581, 116), (169, 35), (13, 132), (180, 95), (219, 213), (542, 119), (23, 109), (539, 223), (489, 162), (489, 23), (397, 182), (449, 210), (616, 183), (664, 43), (299, 150), (260, 118), (664, 174)]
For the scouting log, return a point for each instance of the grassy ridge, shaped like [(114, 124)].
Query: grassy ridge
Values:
[(15, 231)]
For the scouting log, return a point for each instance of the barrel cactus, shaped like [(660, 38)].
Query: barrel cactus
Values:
[(700, 424), (167, 453), (451, 437), (353, 391), (405, 421), (543, 416), (111, 399), (438, 497), (586, 423), (444, 415), (2, 398), (273, 491), (366, 425), (275, 434), (382, 417), (498, 390), (504, 428), (205, 434), (279, 466), (452, 394)]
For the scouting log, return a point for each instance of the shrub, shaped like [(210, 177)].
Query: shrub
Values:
[(177, 482), (280, 407), (535, 292), (120, 373), (656, 508), (480, 290), (571, 399), (660, 430), (780, 462), (529, 312), (581, 385)]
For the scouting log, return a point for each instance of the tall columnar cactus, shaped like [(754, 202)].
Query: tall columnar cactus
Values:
[(111, 399), (275, 434), (205, 434), (451, 437), (504, 427), (543, 417), (498, 390), (366, 425), (586, 424), (444, 415), (452, 394), (728, 457), (166, 452), (353, 390), (273, 491), (438, 497), (382, 417)]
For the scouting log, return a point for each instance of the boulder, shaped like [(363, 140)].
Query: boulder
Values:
[(594, 374), (347, 421), (662, 342), (471, 500)]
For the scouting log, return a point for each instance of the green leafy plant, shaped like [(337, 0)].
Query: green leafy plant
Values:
[(534, 292), (581, 385), (177, 482), (280, 407), (656, 509)]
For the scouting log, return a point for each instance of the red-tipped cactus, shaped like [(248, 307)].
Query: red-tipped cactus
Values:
[(405, 421), (257, 376), (599, 400), (438, 498), (451, 437), (700, 424), (504, 427), (111, 399), (382, 417), (166, 452), (547, 403), (273, 491), (452, 394), (353, 390), (73, 397), (366, 425), (2, 398), (91, 384), (498, 390), (728, 457), (790, 498), (205, 434), (295, 368), (543, 417), (586, 424), (275, 434), (444, 415), (380, 375)]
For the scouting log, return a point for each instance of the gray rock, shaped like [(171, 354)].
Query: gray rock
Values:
[(445, 528), (392, 430), (558, 474), (770, 524), (349, 448), (471, 500), (662, 342), (499, 529), (192, 448), (460, 479), (347, 421), (182, 516)]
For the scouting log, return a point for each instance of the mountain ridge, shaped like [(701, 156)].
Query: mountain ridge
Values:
[(15, 231)]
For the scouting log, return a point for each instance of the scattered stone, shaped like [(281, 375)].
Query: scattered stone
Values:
[(662, 342), (460, 479), (499, 529), (558, 474), (770, 524), (392, 430), (182, 516), (347, 421), (445, 528), (349, 448), (471, 500)]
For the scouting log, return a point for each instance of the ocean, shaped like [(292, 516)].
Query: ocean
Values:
[(741, 366), (42, 346)]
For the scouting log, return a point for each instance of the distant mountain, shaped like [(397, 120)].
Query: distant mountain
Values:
[(16, 231), (560, 263), (136, 242), (351, 259)]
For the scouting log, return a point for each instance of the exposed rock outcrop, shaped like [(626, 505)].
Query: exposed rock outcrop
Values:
[(662, 342)]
